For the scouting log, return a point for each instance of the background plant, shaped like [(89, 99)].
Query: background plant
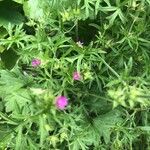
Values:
[(106, 43)]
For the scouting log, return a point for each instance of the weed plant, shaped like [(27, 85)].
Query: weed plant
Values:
[(74, 74)]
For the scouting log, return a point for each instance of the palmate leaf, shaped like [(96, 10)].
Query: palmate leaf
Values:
[(91, 134), (16, 100), (104, 123), (12, 92), (10, 81)]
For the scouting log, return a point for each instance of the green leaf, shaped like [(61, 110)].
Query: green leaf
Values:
[(8, 119), (12, 91), (16, 100), (19, 1), (2, 49), (144, 128), (42, 130), (19, 139), (3, 32), (110, 8), (33, 9), (5, 138), (32, 144), (9, 13), (105, 122), (9, 58), (112, 17), (10, 81)]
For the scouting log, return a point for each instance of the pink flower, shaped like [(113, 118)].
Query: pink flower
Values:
[(76, 76), (36, 62), (61, 102)]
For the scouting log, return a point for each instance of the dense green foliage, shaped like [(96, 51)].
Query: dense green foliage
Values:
[(108, 108)]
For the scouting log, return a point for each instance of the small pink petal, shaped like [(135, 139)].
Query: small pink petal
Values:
[(36, 62), (61, 102), (76, 76)]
